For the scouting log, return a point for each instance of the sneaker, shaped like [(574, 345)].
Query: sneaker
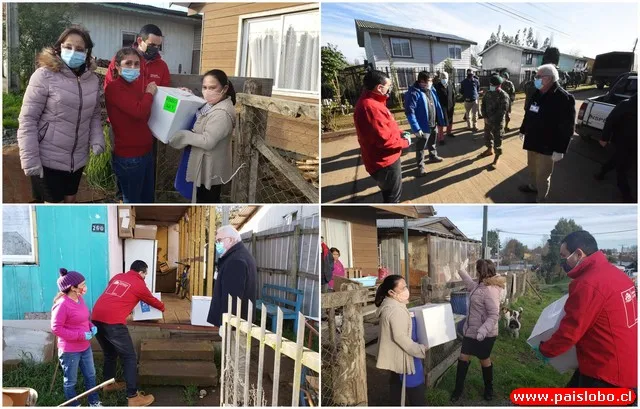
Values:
[(527, 189), (435, 159), (97, 404), (115, 387), (422, 173), (141, 399)]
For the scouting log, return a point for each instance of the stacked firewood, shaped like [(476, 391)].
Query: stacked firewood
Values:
[(310, 169)]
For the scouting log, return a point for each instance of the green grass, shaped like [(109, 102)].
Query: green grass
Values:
[(98, 171), (515, 364), (11, 104), (39, 376), (190, 395)]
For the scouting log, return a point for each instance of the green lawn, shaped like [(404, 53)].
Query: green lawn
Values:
[(515, 364), (39, 376), (11, 104)]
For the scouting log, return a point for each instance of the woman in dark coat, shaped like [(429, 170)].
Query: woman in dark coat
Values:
[(447, 97)]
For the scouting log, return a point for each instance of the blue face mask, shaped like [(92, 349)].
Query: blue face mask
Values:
[(492, 87), (219, 248), (537, 83), (72, 58), (130, 74), (444, 82)]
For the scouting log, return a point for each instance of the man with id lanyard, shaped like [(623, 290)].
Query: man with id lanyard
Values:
[(546, 130)]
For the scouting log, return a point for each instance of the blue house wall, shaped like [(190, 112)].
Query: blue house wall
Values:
[(64, 239)]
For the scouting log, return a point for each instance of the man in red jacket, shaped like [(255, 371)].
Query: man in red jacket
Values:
[(601, 318), (109, 315), (380, 138)]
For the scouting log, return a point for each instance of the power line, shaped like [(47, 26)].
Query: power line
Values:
[(510, 14), (515, 12), (557, 234)]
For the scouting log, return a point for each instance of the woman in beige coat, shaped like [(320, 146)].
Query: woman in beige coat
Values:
[(481, 327), (396, 349), (210, 166)]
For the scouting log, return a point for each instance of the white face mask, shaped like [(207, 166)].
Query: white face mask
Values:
[(402, 296), (213, 97)]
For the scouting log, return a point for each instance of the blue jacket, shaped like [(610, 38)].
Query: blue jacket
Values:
[(417, 378), (415, 108), (469, 88), (238, 277)]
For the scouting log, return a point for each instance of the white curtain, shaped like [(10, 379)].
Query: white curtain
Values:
[(264, 45)]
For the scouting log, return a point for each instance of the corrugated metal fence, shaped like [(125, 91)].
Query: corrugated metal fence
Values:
[(287, 256)]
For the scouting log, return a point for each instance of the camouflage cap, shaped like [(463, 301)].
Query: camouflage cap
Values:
[(495, 80)]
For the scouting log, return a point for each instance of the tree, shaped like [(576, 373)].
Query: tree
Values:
[(551, 261), (546, 44), (40, 25), (513, 251), (474, 61), (333, 61), (517, 39), (356, 62), (535, 43), (491, 41), (448, 67), (612, 259), (493, 241), (530, 38)]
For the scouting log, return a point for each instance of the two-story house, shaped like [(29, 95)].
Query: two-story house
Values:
[(412, 50), (521, 62), (570, 63)]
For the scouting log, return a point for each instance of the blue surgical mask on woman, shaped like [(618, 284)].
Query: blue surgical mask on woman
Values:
[(537, 83), (72, 58), (130, 74)]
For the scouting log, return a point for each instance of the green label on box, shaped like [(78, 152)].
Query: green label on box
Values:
[(171, 104)]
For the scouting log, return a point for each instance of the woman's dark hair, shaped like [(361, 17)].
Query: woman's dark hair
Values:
[(82, 32), (123, 52), (374, 78), (222, 78), (332, 249), (390, 282), (485, 269)]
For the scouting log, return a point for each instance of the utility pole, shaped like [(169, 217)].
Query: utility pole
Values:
[(484, 230), (13, 81), (406, 251)]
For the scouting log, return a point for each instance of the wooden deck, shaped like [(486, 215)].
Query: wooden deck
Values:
[(177, 315), (461, 178)]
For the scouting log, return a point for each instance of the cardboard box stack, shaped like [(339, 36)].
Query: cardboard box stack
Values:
[(126, 221), (172, 110), (436, 325), (144, 231), (547, 324)]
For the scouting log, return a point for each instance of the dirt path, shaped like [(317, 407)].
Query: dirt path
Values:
[(461, 178)]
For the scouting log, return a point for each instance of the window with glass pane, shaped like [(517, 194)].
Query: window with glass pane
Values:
[(400, 47), (529, 59), (17, 235), (285, 48), (455, 52)]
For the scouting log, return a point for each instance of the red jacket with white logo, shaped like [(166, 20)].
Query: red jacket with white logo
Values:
[(123, 292), (379, 135), (601, 321)]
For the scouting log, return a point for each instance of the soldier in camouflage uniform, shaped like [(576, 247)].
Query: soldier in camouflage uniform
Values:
[(494, 107), (508, 87)]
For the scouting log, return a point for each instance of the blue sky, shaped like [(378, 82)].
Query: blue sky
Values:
[(591, 28), (540, 220)]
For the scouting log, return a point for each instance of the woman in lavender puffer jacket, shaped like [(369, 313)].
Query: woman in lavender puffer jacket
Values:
[(60, 117), (481, 327)]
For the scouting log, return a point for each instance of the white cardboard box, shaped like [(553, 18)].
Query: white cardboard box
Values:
[(172, 110), (547, 325), (200, 310), (144, 311), (435, 322)]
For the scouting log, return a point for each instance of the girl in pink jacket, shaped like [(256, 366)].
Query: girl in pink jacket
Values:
[(70, 323)]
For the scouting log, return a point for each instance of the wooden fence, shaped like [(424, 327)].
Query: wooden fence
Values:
[(269, 175), (344, 364), (231, 384), (197, 230), (288, 256)]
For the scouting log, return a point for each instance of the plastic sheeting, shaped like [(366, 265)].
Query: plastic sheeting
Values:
[(445, 256)]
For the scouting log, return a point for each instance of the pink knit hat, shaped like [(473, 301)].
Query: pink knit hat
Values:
[(69, 279)]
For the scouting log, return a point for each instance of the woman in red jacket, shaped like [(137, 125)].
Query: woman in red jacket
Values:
[(129, 109)]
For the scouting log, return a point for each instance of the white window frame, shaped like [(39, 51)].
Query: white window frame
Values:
[(454, 46), (351, 262), (243, 43), (526, 59), (403, 39), (33, 258)]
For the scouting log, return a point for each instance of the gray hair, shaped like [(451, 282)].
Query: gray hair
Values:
[(231, 232), (550, 70)]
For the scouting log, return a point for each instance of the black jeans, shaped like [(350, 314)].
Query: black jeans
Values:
[(579, 380), (116, 342), (415, 396), (426, 143), (389, 181), (212, 195)]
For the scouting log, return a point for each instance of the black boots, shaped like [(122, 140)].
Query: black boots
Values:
[(487, 377), (461, 374)]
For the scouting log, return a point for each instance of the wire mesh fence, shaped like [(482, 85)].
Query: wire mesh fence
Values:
[(330, 345)]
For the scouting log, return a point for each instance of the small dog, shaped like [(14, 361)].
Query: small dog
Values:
[(512, 321)]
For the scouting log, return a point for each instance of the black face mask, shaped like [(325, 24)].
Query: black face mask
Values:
[(151, 53), (566, 267)]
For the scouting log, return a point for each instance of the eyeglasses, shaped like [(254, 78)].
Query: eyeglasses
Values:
[(221, 239), (540, 76)]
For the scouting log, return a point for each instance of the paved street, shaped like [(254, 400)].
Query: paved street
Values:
[(461, 178)]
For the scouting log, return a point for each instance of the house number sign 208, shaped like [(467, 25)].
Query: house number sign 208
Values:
[(97, 228)]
